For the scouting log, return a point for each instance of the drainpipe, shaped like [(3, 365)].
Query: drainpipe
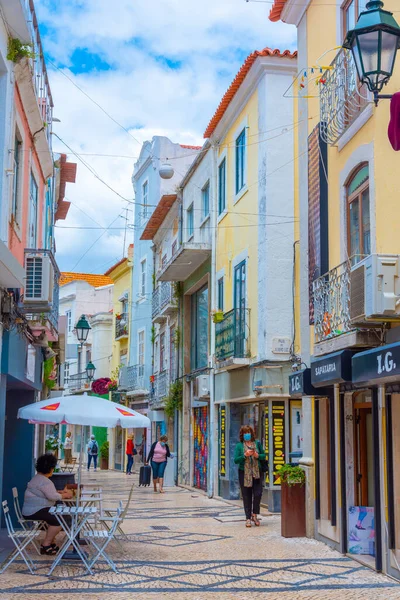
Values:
[(213, 453)]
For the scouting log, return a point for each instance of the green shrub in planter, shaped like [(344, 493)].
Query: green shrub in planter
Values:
[(292, 475)]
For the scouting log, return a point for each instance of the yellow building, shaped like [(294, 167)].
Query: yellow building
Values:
[(252, 137), (121, 275), (348, 307)]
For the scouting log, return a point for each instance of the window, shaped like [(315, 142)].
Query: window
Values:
[(66, 371), (358, 216), (205, 200), (199, 329), (221, 294), (222, 187), (141, 352), (162, 352), (145, 198), (240, 161), (351, 11), (124, 307), (68, 314), (172, 354), (16, 184), (190, 224), (240, 310), (163, 261), (174, 247), (33, 212), (142, 282)]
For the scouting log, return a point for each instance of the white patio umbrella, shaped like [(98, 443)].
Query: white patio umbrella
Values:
[(82, 410)]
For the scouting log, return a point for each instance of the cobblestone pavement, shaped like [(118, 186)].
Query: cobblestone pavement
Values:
[(185, 546)]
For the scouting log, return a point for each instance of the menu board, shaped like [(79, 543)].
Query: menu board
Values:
[(266, 440), (222, 445)]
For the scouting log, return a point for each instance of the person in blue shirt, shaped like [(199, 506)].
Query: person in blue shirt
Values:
[(93, 451)]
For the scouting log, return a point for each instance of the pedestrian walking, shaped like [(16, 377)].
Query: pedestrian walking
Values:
[(250, 458), (130, 452), (93, 451), (68, 448), (158, 456)]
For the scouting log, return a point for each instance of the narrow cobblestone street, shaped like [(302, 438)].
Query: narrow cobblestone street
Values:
[(184, 545)]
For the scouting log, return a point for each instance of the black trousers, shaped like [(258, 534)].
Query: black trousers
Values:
[(251, 496)]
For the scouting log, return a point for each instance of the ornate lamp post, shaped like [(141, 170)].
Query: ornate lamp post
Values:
[(90, 370), (374, 43), (82, 329)]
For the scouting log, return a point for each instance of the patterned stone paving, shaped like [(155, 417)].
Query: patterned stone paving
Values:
[(200, 558)]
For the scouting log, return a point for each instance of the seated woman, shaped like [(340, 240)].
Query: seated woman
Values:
[(40, 496)]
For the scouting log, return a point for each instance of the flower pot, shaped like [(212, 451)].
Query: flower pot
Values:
[(218, 317), (293, 510), (104, 464)]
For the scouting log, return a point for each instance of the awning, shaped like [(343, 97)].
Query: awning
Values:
[(378, 366), (332, 368), (300, 385)]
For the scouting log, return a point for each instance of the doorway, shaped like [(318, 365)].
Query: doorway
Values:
[(363, 450)]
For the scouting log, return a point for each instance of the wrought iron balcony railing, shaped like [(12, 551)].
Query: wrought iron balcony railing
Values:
[(166, 294), (78, 381), (132, 378), (342, 98), (331, 297), (232, 335), (160, 387), (121, 325)]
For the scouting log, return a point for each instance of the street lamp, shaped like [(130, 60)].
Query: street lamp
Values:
[(82, 329), (90, 369), (374, 43)]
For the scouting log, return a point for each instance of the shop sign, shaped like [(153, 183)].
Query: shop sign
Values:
[(300, 385), (380, 363), (278, 439), (266, 440), (330, 369), (222, 445)]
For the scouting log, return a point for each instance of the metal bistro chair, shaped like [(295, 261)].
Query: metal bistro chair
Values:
[(108, 515), (21, 539), (27, 524), (100, 538)]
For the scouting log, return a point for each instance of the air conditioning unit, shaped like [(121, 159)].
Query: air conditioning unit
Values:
[(375, 289), (202, 386), (39, 279)]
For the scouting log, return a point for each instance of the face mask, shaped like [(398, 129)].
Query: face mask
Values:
[(162, 444), (247, 437)]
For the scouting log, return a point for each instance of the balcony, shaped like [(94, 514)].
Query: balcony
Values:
[(121, 326), (159, 389), (164, 303), (40, 302), (78, 382), (185, 261), (132, 381), (342, 99), (232, 339), (333, 329)]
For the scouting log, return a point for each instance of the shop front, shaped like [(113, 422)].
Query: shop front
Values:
[(379, 371), (276, 422)]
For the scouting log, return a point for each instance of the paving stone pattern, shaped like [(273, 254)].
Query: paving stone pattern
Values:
[(178, 549)]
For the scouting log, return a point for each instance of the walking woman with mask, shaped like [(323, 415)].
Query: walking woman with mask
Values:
[(158, 455), (248, 456)]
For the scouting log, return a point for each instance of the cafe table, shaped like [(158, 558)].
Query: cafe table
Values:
[(79, 515)]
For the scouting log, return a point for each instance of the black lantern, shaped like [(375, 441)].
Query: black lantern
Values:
[(82, 329), (374, 43), (90, 369)]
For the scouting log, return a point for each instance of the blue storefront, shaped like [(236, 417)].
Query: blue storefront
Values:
[(20, 384)]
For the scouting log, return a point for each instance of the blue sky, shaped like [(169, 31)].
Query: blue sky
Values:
[(159, 67)]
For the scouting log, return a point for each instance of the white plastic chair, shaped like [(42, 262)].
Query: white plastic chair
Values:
[(26, 524), (100, 538), (21, 539)]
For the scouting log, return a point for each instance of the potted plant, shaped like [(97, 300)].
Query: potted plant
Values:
[(104, 454), (293, 501), (53, 444), (218, 316)]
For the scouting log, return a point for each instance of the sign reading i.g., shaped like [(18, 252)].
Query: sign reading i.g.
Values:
[(278, 439), (222, 446), (266, 440)]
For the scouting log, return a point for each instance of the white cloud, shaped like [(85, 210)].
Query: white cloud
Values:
[(138, 39)]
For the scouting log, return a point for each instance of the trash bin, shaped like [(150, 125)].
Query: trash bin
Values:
[(169, 475)]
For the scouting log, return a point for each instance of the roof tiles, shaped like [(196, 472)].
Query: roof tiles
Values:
[(237, 82), (158, 216), (90, 278), (276, 10)]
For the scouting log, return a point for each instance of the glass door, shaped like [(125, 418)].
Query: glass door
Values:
[(240, 310)]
